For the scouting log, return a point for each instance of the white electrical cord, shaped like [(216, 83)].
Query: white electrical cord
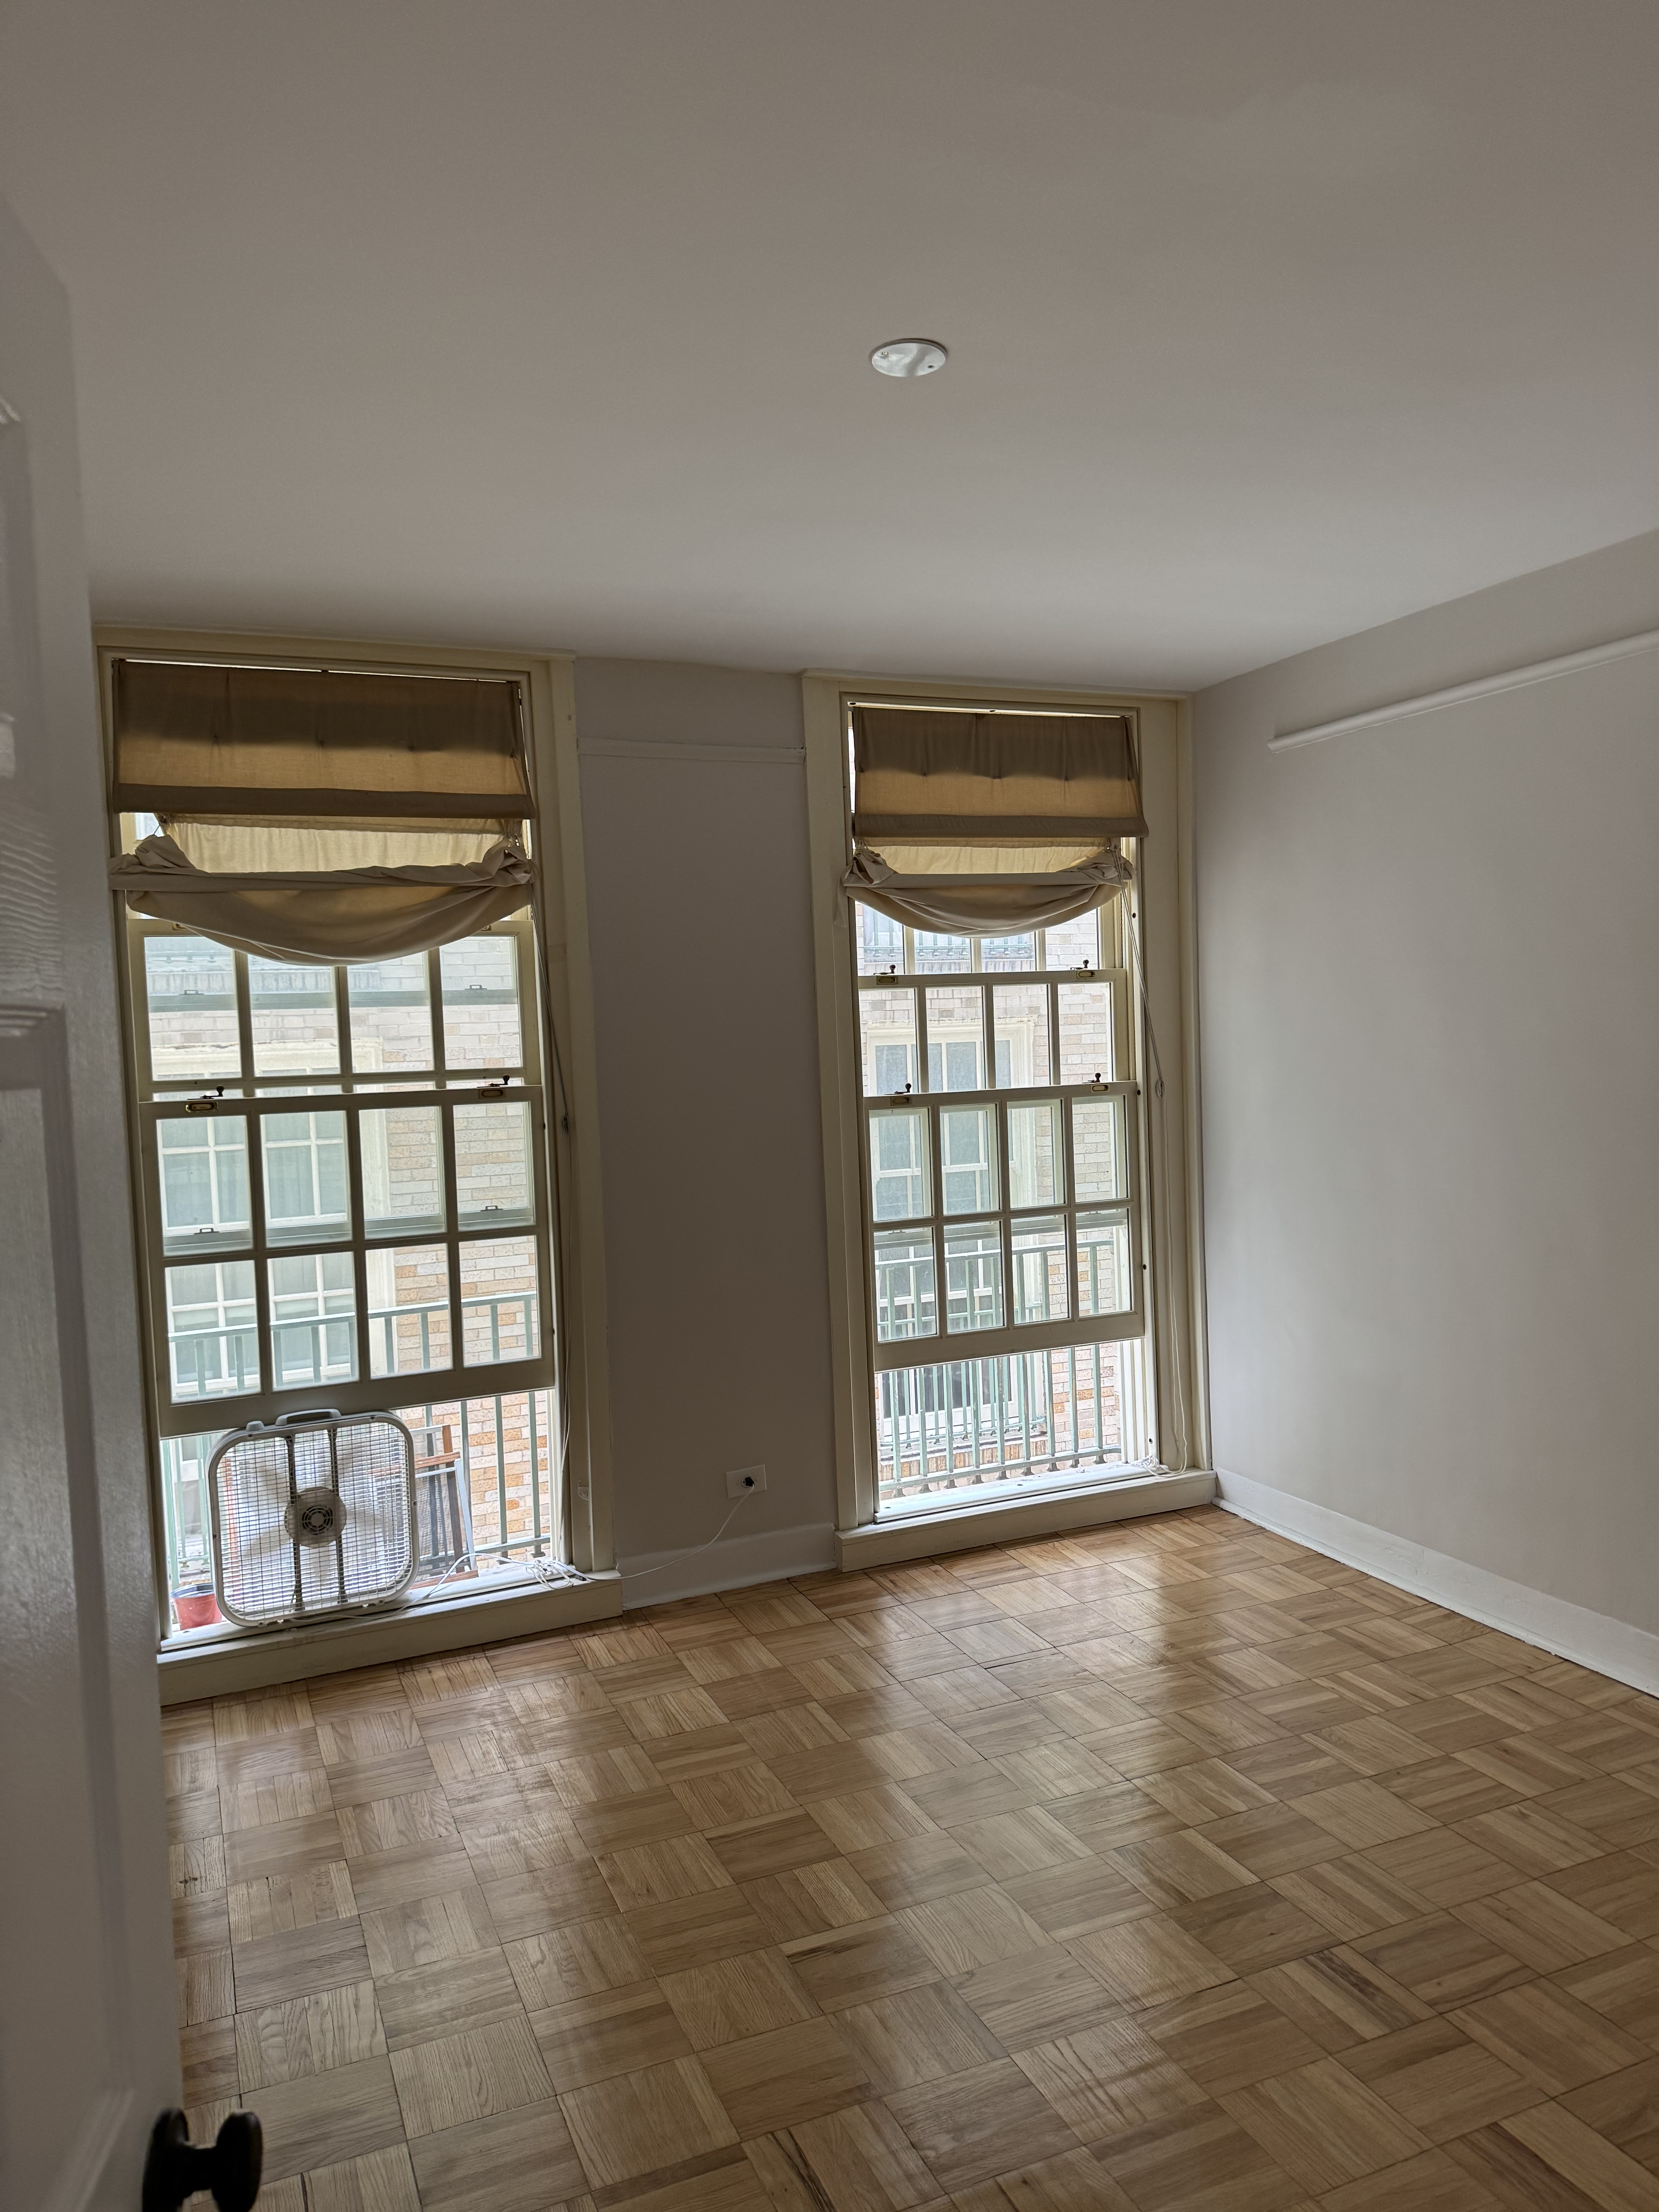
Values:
[(691, 1550)]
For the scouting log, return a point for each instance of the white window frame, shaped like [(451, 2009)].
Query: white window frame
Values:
[(1166, 1258), (560, 1080)]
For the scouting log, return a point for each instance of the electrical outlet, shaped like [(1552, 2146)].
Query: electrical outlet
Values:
[(740, 1481)]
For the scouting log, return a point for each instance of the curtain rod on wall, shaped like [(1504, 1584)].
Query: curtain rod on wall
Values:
[(1482, 687)]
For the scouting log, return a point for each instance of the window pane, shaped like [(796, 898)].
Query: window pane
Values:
[(906, 1302), (213, 1344), (492, 1164), (943, 956), (292, 1008), (1085, 1033), (391, 1015), (403, 1169), (499, 1312), (1039, 1270), (967, 1140), (409, 1309), (190, 985), (956, 1041), (313, 1324), (480, 1003), (1020, 1013), (887, 1026), (1074, 943), (898, 1164), (305, 1160), (1102, 1263), (1036, 1160), (880, 942), (203, 1163), (973, 1276), (1097, 1154), (1005, 956)]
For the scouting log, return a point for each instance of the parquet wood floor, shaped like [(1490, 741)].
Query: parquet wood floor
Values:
[(1163, 1868)]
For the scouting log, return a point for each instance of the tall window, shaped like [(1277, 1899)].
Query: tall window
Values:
[(1004, 1217), (336, 1084), (990, 887)]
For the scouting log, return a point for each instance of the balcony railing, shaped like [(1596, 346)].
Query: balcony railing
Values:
[(961, 1423)]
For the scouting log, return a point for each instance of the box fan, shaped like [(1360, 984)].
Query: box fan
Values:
[(312, 1515)]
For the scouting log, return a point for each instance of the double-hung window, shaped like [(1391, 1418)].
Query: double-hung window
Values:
[(997, 1149), (1005, 1222), (337, 1076)]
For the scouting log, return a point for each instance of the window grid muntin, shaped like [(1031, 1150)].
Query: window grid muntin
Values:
[(891, 1353), (255, 1098)]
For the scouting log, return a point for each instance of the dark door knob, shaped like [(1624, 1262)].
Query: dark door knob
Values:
[(176, 2167)]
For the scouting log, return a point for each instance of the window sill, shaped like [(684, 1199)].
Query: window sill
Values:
[(946, 1525), (257, 1658)]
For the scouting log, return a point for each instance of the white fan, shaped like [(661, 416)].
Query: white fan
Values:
[(312, 1515)]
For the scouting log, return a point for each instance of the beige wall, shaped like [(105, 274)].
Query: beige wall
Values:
[(699, 909), (1429, 959)]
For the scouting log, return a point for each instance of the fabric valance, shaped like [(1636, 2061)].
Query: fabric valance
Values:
[(937, 776), (195, 741), (334, 914), (1001, 905)]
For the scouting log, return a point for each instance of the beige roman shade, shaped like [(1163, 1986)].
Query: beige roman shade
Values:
[(321, 814), (219, 744), (990, 824)]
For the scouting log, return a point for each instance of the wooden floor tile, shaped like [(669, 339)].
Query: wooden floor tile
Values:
[(1322, 2125), (730, 1999), (273, 1968), (1623, 1986), (518, 2162), (308, 2035), (1339, 1999), (1442, 1960), (427, 1930), (1152, 1961), (980, 2124), (1252, 1927), (810, 1900), (1036, 1996), (380, 2181), (855, 2159), (325, 2119), (1430, 2182), (1077, 1897), (717, 1924), (1547, 2035), (922, 2034), (473, 2076), (1227, 2037), (1548, 2161), (425, 2002), (1439, 2080), (1199, 2161), (623, 2031), (786, 2076), (1623, 2108), (1108, 2079), (856, 1964), (1350, 1897)]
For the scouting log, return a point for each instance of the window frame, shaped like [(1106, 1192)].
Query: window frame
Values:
[(556, 989), (255, 1098), (1161, 1133)]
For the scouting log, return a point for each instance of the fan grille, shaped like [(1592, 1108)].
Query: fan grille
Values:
[(313, 1520)]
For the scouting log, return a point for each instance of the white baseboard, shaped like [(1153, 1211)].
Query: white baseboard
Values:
[(1570, 1632), (768, 1556)]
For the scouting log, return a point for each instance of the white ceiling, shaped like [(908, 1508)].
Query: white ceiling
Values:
[(527, 321)]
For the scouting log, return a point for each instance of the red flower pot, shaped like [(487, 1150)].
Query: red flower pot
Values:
[(196, 1609)]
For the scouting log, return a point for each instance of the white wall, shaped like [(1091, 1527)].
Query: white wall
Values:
[(1429, 961), (699, 909)]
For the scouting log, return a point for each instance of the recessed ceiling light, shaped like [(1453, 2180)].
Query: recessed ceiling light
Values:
[(909, 357)]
